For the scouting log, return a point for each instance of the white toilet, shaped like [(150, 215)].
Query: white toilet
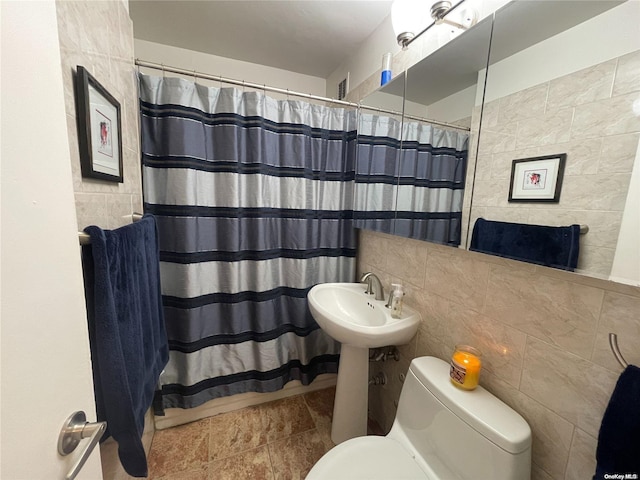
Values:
[(440, 433)]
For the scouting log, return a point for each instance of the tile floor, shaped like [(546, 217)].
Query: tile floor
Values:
[(280, 440)]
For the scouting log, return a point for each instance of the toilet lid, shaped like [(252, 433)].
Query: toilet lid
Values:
[(367, 458)]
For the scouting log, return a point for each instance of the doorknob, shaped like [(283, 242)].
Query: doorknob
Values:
[(75, 429)]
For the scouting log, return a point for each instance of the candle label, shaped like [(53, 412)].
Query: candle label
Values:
[(457, 372)]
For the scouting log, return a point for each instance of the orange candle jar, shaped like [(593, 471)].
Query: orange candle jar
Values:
[(465, 367)]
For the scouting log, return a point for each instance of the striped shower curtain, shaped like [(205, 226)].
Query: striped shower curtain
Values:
[(431, 177), (254, 201), (376, 179), (410, 178)]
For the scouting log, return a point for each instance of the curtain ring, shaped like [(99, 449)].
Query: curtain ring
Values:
[(162, 65), (195, 76)]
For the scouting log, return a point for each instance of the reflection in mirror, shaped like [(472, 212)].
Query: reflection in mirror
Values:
[(443, 89), (415, 183), (432, 167), (378, 147), (548, 94)]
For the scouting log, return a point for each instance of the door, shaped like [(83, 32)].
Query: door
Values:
[(45, 358)]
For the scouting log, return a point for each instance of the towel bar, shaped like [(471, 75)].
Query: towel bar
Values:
[(584, 229), (85, 239), (613, 343)]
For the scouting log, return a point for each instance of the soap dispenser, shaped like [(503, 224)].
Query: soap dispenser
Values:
[(395, 303)]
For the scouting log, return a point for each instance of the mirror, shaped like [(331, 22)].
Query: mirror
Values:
[(424, 188), (438, 147), (550, 90), (547, 94), (378, 149)]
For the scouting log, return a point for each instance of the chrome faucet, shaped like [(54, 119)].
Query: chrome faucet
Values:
[(373, 285)]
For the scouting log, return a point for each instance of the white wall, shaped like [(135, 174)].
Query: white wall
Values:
[(46, 369), (226, 67), (626, 263), (367, 60), (454, 107)]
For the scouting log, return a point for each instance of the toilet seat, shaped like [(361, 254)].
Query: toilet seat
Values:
[(368, 458)]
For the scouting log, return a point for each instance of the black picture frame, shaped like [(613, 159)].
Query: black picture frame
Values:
[(537, 179), (99, 129)]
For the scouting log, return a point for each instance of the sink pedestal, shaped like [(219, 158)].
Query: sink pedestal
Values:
[(352, 394), (360, 322)]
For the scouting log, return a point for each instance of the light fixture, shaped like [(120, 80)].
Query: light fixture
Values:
[(440, 9), (410, 17)]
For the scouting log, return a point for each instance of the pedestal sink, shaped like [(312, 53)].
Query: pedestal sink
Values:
[(359, 322)]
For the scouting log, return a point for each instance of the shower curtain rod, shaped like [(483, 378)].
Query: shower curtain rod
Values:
[(284, 91)]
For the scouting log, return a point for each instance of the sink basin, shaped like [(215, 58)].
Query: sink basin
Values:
[(352, 317), (359, 322)]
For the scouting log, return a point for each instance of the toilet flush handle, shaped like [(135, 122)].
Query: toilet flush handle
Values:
[(73, 431)]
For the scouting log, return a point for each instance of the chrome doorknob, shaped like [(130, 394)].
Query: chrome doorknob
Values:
[(75, 429)]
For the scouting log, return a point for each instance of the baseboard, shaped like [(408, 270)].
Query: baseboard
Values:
[(179, 416)]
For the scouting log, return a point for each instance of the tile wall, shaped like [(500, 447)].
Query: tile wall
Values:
[(99, 36), (543, 332), (586, 115)]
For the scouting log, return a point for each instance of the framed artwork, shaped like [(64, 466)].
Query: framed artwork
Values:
[(537, 179), (99, 129)]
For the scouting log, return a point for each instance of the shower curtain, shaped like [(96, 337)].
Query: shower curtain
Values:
[(431, 177), (410, 178), (254, 201), (379, 141)]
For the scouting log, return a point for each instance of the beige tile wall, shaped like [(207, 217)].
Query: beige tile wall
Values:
[(543, 334), (588, 115), (99, 36)]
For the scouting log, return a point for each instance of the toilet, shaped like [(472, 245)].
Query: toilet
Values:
[(440, 432)]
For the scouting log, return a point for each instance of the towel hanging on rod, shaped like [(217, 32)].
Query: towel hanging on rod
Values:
[(85, 239)]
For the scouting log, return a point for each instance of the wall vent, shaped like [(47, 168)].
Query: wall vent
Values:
[(343, 88)]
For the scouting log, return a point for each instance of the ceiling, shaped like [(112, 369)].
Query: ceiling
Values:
[(312, 37)]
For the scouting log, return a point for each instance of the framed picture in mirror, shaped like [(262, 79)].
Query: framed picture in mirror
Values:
[(537, 179), (99, 129)]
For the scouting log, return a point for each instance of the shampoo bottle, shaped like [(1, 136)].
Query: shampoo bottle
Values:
[(396, 300)]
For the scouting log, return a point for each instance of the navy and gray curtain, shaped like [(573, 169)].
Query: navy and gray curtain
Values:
[(379, 141), (254, 201), (418, 170)]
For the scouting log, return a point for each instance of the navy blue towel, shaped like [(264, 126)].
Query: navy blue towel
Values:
[(556, 247), (618, 449), (126, 331)]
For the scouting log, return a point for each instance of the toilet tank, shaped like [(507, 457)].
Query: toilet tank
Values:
[(456, 434)]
